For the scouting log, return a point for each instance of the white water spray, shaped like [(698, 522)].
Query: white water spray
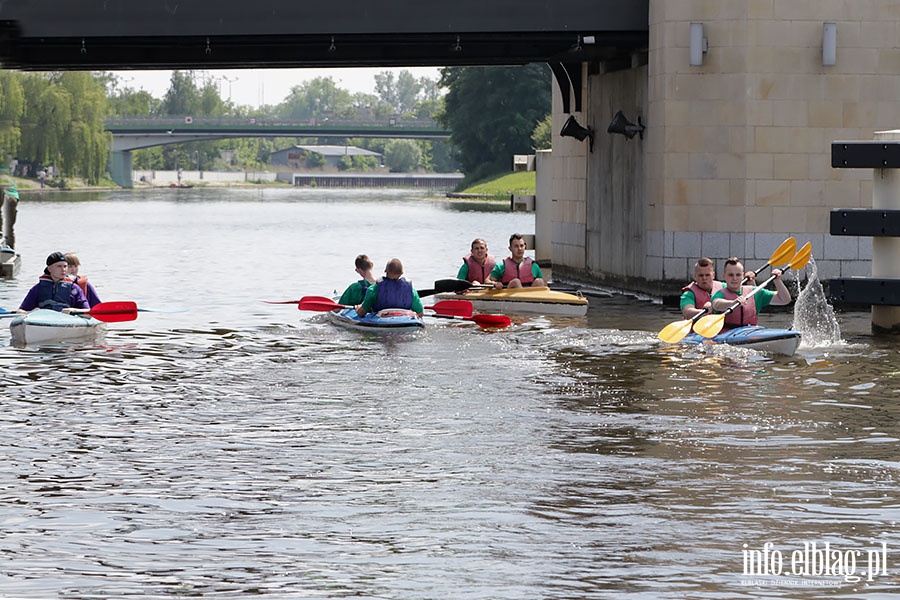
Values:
[(813, 316)]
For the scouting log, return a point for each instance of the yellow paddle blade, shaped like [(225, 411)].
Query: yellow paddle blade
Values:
[(802, 257), (710, 325), (784, 252), (675, 332)]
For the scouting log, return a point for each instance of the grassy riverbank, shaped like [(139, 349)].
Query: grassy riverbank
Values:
[(502, 186)]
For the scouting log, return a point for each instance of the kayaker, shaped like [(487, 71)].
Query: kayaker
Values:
[(746, 312), (356, 291), (517, 270), (54, 290), (696, 296), (478, 264), (87, 288), (392, 291)]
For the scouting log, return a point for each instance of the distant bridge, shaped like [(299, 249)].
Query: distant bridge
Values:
[(134, 133)]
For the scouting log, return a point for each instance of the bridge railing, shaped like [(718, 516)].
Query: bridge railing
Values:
[(184, 123)]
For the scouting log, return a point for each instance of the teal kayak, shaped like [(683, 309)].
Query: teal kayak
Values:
[(384, 321), (763, 339)]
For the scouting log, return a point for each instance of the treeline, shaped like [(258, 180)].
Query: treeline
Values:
[(57, 119)]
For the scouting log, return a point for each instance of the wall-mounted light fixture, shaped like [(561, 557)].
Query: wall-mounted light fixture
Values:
[(699, 44), (829, 44), (573, 129), (620, 124)]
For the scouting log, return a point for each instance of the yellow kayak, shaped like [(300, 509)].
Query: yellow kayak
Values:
[(529, 300)]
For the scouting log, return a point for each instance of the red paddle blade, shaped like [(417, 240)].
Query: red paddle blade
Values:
[(114, 312), (492, 320), (319, 303), (114, 317), (458, 308)]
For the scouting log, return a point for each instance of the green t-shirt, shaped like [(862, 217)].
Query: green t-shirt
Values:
[(355, 293), (688, 298), (500, 267), (372, 294)]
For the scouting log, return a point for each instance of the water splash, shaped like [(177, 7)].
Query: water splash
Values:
[(813, 316)]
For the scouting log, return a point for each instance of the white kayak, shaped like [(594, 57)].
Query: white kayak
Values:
[(762, 339), (389, 320), (526, 300), (43, 326)]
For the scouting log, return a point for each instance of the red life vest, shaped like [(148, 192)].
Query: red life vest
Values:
[(477, 271), (701, 296), (744, 314), (511, 270)]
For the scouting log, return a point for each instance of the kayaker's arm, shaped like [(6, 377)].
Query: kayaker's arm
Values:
[(783, 295)]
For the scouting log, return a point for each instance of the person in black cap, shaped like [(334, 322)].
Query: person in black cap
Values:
[(54, 290)]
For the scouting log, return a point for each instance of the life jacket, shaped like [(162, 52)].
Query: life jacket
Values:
[(53, 294), (701, 296), (477, 271), (511, 271), (81, 281), (743, 314), (393, 293)]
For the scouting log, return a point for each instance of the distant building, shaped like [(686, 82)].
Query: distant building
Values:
[(298, 157)]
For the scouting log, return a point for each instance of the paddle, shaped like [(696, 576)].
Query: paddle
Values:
[(112, 312), (675, 332), (108, 312), (486, 321), (710, 325), (454, 308), (782, 255)]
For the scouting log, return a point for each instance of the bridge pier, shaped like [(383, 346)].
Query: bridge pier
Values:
[(120, 168)]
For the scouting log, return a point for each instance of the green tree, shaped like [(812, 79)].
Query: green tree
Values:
[(542, 136), (401, 93), (315, 99), (183, 96), (12, 108), (402, 156), (492, 112)]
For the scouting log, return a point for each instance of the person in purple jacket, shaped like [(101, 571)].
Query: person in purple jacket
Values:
[(87, 288), (54, 290)]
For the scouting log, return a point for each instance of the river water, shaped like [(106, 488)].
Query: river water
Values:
[(247, 449)]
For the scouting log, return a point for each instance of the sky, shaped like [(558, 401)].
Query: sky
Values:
[(255, 87)]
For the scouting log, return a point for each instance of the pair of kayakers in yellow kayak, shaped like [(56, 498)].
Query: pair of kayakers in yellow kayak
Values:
[(515, 271)]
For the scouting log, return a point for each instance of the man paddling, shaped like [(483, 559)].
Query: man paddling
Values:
[(54, 290), (517, 270), (746, 312), (392, 291)]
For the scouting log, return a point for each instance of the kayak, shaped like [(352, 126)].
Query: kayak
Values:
[(526, 300), (389, 320), (10, 262), (43, 326), (763, 339)]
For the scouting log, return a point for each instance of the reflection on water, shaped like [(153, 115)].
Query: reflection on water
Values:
[(242, 448)]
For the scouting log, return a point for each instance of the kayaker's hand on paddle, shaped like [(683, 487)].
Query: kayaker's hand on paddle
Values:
[(750, 278)]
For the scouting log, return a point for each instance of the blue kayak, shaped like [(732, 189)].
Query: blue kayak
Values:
[(389, 320), (763, 339)]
